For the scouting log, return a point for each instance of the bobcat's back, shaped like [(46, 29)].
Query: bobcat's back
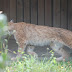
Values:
[(42, 34), (66, 36)]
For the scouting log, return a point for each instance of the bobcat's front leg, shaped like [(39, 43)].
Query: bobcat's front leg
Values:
[(30, 50), (21, 48)]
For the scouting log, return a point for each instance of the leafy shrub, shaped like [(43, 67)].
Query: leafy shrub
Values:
[(3, 54)]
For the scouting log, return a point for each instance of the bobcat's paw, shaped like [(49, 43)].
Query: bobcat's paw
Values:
[(59, 59), (33, 54), (13, 58)]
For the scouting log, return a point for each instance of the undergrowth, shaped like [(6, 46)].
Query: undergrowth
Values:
[(31, 64)]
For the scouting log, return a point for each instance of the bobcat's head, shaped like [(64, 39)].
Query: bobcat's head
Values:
[(10, 25), (9, 28)]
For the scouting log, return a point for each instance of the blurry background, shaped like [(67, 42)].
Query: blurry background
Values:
[(56, 13)]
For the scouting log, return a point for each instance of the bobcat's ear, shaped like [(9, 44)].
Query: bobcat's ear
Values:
[(12, 21)]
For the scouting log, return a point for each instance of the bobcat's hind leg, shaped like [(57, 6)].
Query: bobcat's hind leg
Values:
[(64, 54), (30, 50), (58, 47)]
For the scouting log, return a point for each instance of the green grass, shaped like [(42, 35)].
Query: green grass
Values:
[(31, 64)]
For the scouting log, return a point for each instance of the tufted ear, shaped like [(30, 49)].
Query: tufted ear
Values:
[(12, 20)]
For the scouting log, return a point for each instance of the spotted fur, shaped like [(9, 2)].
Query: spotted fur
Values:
[(36, 35)]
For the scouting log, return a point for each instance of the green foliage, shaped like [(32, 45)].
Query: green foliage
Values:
[(3, 54), (3, 22), (31, 64)]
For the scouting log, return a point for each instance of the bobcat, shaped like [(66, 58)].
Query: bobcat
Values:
[(32, 35)]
